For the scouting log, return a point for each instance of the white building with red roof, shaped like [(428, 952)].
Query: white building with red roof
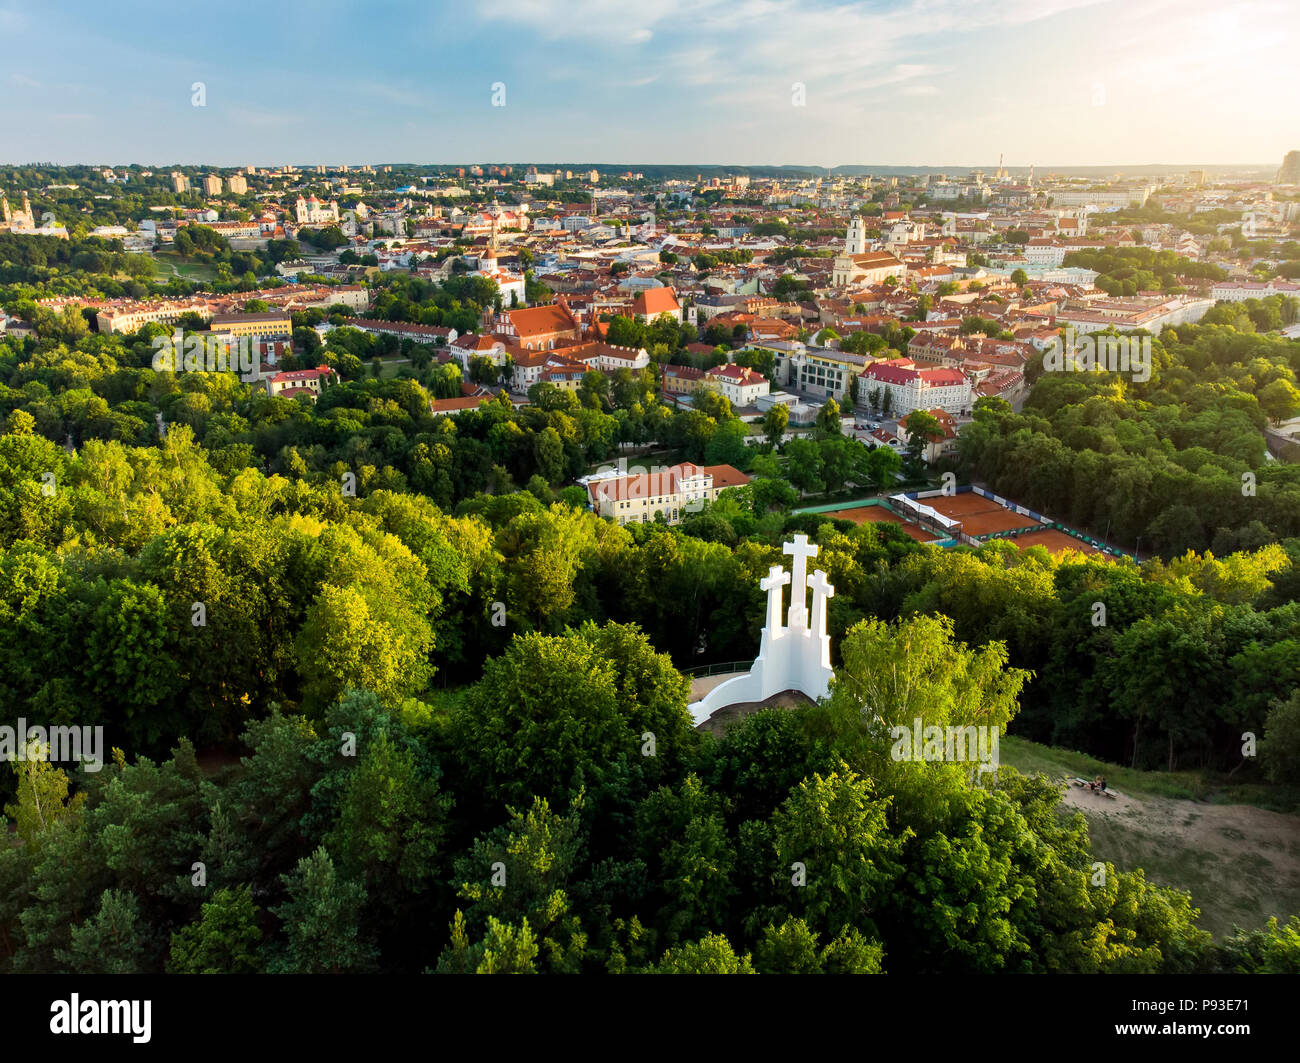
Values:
[(300, 383), (674, 492), (471, 345), (403, 330), (913, 388), (739, 384)]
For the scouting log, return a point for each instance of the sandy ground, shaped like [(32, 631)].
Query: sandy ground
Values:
[(1241, 864)]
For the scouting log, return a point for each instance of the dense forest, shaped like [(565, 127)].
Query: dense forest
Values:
[(1180, 460)]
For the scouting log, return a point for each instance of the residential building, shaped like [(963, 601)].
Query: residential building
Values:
[(459, 404), (740, 385), (682, 379), (1240, 291), (300, 383), (470, 346)]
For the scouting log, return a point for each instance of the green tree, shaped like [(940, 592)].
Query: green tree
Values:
[(774, 423), (1280, 747), (804, 465), (224, 940), (322, 921), (114, 940), (712, 954), (828, 420)]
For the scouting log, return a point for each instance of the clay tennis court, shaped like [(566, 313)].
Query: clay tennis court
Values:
[(880, 515), (958, 506), (1057, 542), (978, 515)]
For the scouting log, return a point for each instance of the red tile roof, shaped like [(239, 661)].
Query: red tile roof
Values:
[(655, 301)]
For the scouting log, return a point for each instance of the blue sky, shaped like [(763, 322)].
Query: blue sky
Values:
[(886, 82)]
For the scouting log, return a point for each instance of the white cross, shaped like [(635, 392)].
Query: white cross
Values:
[(773, 582), (821, 592), (800, 550)]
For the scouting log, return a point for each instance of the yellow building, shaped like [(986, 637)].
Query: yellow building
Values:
[(273, 323)]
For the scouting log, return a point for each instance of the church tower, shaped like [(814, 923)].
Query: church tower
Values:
[(4, 206), (856, 242)]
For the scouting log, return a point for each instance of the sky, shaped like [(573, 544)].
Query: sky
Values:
[(738, 82)]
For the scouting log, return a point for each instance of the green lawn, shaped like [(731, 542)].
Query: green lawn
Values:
[(168, 264)]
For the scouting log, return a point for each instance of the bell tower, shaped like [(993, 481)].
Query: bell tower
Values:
[(856, 242)]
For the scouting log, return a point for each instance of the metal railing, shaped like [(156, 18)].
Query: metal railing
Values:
[(718, 669)]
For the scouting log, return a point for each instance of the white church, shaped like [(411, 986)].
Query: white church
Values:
[(858, 267)]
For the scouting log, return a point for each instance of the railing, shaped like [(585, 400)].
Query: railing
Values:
[(718, 669)]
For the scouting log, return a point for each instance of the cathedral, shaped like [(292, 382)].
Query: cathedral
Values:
[(313, 211), (23, 222), (858, 267), (23, 219)]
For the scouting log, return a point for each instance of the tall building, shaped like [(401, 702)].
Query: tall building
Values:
[(238, 185), (180, 183), (1289, 174), (212, 185)]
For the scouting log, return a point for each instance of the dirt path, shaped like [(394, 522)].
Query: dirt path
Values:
[(1241, 864)]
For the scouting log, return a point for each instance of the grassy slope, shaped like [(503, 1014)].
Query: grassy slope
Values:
[(1240, 862)]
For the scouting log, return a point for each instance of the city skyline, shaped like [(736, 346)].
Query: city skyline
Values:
[(1064, 83)]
